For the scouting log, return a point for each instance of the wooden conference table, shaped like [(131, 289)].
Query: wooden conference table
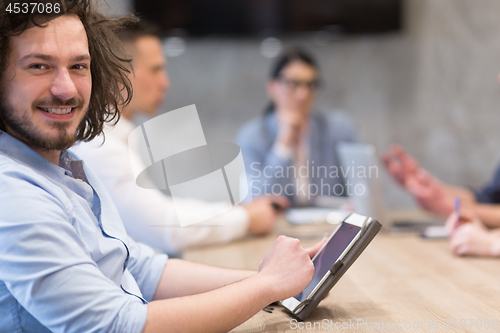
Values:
[(400, 283)]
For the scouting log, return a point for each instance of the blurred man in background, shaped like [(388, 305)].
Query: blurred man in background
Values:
[(149, 215)]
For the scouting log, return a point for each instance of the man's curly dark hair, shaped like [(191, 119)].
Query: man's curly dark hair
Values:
[(109, 74)]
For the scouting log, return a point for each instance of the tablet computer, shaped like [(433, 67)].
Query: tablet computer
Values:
[(342, 248)]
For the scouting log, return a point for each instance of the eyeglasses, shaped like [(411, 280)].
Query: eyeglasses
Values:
[(295, 84)]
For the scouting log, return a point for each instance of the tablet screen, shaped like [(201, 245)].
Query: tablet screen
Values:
[(331, 252)]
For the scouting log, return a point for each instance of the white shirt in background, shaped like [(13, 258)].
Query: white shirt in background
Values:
[(149, 215)]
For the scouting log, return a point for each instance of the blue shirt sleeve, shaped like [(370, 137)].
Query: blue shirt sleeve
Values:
[(491, 192), (45, 265), (146, 267)]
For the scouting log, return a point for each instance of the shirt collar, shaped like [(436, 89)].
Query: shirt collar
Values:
[(26, 155)]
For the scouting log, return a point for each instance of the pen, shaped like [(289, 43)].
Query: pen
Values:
[(457, 207), (457, 212)]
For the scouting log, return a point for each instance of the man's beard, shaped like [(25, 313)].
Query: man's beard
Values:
[(25, 130)]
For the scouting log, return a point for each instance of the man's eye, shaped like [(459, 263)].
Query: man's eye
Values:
[(79, 66), (38, 66)]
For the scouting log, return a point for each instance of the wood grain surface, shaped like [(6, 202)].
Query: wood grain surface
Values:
[(399, 284)]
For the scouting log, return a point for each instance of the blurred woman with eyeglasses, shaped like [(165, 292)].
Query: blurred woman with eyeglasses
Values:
[(291, 149)]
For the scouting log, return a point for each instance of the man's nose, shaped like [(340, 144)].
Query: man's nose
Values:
[(63, 86)]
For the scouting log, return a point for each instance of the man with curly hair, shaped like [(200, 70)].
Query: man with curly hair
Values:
[(66, 261)]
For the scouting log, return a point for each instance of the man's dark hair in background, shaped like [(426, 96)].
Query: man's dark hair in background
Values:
[(131, 31)]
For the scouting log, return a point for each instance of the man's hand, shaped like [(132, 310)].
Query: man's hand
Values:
[(263, 215), (453, 222), (288, 267), (469, 236), (430, 193), (400, 164), (314, 249)]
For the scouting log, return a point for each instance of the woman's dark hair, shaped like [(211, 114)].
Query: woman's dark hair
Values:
[(109, 74), (283, 60)]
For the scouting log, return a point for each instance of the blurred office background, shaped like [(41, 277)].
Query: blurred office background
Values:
[(429, 85)]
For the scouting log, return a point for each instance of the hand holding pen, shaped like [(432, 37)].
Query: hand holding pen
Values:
[(459, 217), (468, 235)]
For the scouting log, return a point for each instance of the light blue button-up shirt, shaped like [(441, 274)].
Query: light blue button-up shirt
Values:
[(66, 262)]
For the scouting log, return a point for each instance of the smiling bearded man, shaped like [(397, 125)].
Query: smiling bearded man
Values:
[(66, 261)]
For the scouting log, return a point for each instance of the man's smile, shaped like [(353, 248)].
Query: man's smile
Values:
[(57, 110)]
